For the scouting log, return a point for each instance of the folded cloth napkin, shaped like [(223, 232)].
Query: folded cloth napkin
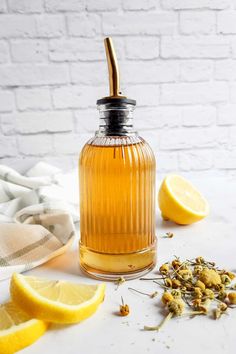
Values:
[(38, 214)]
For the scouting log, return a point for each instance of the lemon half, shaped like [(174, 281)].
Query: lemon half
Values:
[(17, 329), (54, 300), (180, 201)]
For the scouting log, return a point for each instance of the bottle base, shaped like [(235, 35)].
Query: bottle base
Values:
[(107, 266)]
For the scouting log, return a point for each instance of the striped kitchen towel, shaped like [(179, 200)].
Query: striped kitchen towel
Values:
[(38, 215)]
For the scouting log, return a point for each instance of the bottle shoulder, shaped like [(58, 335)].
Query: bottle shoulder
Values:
[(115, 140), (130, 149)]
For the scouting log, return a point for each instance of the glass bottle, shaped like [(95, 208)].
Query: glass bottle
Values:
[(117, 191)]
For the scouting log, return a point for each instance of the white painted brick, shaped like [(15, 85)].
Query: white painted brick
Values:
[(105, 5), (152, 137), (197, 22), (139, 4), (77, 96), (27, 74), (17, 26), (232, 136), (50, 25), (195, 47), (196, 4), (167, 161), (37, 122), (4, 53), (196, 70), (29, 50), (198, 116), (40, 122), (83, 24), (157, 117), (232, 90), (233, 44), (142, 48), (227, 114), (62, 5), (194, 93), (225, 159), (7, 146), (74, 49), (140, 23), (225, 70), (66, 143), (86, 120), (132, 72), (196, 160), (90, 73), (3, 6), (6, 101), (153, 72), (145, 95), (38, 145), (189, 138), (25, 6), (35, 98), (226, 22)]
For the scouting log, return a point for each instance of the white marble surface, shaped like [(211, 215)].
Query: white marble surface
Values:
[(105, 332)]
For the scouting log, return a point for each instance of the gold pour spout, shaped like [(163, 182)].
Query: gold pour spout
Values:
[(113, 69)]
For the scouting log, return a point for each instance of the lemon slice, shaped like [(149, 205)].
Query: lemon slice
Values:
[(17, 329), (55, 300), (180, 201)]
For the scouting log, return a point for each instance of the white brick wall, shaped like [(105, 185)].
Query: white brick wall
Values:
[(177, 58)]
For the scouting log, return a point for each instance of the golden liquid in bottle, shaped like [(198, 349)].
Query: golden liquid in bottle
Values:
[(117, 208)]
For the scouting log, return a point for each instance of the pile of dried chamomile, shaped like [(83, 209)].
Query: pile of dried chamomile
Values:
[(197, 285)]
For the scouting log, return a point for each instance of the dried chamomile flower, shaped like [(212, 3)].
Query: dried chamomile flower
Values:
[(184, 274), (176, 307), (176, 263), (225, 279), (209, 294), (176, 293), (197, 270), (119, 281), (220, 287), (204, 307), (166, 297), (189, 286), (222, 295), (199, 260), (209, 277), (169, 235), (176, 284), (221, 308), (232, 298), (196, 303), (124, 308), (197, 293), (231, 275), (168, 282), (200, 285), (164, 269)]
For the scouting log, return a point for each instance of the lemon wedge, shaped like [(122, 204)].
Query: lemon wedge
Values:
[(180, 201), (54, 300), (17, 329)]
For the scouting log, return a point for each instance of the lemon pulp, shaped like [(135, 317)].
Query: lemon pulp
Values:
[(55, 300), (180, 201)]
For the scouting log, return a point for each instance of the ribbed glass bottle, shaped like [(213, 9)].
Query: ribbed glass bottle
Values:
[(117, 199)]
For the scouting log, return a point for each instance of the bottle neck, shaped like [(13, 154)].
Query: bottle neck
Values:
[(116, 120)]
